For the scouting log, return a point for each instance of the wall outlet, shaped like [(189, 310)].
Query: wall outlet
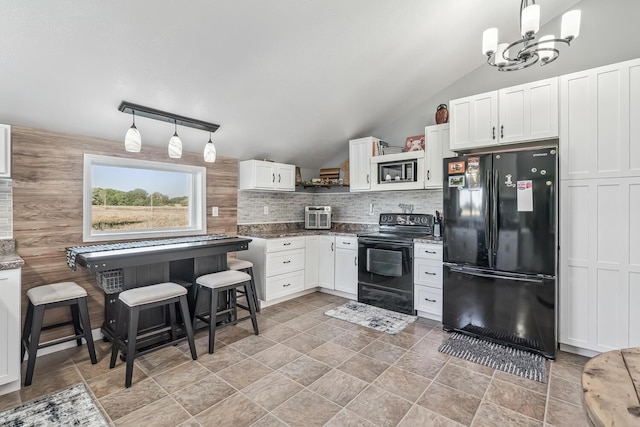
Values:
[(266, 210), (370, 208), (214, 211)]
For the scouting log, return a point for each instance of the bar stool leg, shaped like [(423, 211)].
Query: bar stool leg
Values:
[(184, 311), (26, 331), (86, 328), (173, 321), (38, 316), (252, 306), (118, 339), (75, 317), (253, 288), (131, 343), (213, 318)]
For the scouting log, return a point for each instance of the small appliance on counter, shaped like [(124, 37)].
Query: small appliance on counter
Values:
[(317, 217)]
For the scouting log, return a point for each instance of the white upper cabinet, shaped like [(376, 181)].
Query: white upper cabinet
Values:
[(360, 163), (5, 151), (261, 175), (522, 113), (473, 121), (437, 148), (528, 112), (600, 122)]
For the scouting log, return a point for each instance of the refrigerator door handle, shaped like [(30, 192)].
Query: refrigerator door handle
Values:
[(494, 217), (487, 218), (472, 272)]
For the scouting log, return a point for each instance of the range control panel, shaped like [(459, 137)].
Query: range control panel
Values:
[(406, 219)]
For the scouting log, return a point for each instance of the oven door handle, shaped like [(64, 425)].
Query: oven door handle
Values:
[(394, 243)]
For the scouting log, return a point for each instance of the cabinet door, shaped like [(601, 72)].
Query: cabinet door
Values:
[(360, 164), (326, 266), (528, 112), (346, 270), (311, 267), (599, 263), (265, 175), (285, 177), (473, 121), (5, 151), (10, 326), (437, 148), (600, 122)]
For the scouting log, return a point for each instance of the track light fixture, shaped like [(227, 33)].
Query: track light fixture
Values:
[(133, 140), (209, 151)]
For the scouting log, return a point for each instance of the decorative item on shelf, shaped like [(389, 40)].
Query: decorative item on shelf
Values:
[(329, 174), (298, 176), (344, 166), (133, 140), (442, 114), (530, 51), (414, 143)]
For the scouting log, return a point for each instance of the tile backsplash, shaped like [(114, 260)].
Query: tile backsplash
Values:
[(6, 210), (346, 207)]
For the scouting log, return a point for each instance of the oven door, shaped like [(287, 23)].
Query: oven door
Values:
[(385, 274)]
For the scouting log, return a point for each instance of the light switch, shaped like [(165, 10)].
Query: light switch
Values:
[(214, 211)]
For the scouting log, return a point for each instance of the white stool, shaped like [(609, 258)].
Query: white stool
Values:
[(134, 300), (215, 283), (55, 295), (246, 267)]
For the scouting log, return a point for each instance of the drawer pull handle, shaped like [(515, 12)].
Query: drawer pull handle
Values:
[(430, 252), (346, 243), (286, 262), (428, 272), (355, 261), (286, 244), (4, 278), (331, 246), (288, 284), (430, 300)]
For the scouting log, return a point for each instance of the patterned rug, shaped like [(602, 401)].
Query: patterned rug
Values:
[(372, 317), (70, 407), (508, 359)]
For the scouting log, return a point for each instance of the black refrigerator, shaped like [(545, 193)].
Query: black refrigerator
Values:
[(500, 247)]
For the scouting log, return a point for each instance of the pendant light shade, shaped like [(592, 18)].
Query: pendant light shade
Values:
[(209, 151), (133, 139), (175, 144)]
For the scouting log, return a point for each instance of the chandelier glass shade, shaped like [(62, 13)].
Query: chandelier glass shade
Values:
[(133, 139), (175, 145), (526, 51), (209, 151)]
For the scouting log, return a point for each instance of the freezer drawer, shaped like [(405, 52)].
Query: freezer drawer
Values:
[(512, 309)]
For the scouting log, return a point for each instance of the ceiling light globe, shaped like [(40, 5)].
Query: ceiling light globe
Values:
[(530, 20), (209, 152), (489, 41), (175, 147), (570, 27), (544, 48), (133, 140)]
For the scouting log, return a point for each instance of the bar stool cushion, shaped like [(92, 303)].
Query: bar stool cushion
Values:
[(151, 294), (239, 264), (222, 279), (55, 292)]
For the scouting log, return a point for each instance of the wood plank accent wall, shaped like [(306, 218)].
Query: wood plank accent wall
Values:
[(47, 206)]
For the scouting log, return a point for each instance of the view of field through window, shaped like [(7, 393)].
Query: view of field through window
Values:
[(126, 198)]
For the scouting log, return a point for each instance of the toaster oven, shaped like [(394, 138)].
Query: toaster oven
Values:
[(317, 217)]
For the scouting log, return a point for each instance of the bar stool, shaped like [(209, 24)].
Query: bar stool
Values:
[(246, 267), (215, 283), (55, 295), (133, 301)]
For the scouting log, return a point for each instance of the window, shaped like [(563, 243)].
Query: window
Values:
[(134, 199)]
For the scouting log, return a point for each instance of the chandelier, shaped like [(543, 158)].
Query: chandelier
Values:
[(527, 51)]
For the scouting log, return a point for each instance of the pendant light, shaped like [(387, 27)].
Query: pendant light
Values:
[(175, 144), (133, 140), (209, 151)]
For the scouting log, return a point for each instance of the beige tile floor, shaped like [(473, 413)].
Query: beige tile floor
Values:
[(308, 369)]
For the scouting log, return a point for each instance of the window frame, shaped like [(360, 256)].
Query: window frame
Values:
[(197, 200)]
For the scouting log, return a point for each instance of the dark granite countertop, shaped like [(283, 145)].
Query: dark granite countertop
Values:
[(301, 233)]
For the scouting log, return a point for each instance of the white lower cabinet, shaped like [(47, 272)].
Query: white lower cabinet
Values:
[(326, 262), (10, 330), (311, 261), (600, 263), (427, 279), (278, 266), (346, 265)]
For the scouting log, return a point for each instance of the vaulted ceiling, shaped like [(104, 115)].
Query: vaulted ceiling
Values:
[(288, 80)]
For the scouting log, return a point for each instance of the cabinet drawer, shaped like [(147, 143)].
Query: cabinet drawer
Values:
[(428, 272), (284, 262), (284, 284), (347, 242), (428, 250), (428, 299), (284, 244)]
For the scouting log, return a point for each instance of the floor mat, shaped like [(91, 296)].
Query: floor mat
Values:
[(514, 361), (372, 317)]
